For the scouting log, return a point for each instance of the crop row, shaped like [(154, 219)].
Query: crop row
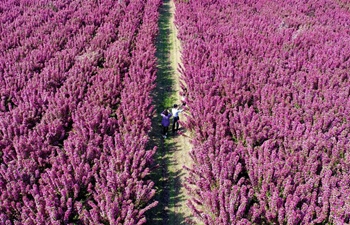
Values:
[(73, 147), (269, 97)]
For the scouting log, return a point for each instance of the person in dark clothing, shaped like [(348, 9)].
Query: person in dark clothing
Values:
[(165, 122)]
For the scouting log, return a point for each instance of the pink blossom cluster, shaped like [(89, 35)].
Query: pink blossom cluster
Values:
[(269, 97), (75, 111)]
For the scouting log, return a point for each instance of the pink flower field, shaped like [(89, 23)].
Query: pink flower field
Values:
[(267, 90), (74, 77), (269, 97)]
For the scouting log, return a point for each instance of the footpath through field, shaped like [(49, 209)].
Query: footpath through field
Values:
[(173, 152)]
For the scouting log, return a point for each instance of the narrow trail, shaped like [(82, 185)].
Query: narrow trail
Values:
[(181, 155), (173, 152)]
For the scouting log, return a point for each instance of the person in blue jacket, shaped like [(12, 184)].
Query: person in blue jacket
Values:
[(165, 122)]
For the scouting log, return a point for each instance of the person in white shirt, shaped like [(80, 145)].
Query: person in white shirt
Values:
[(175, 112)]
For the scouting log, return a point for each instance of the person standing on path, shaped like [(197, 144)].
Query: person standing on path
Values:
[(165, 122), (175, 111)]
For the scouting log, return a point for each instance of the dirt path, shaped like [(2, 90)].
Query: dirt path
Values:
[(173, 152), (181, 155)]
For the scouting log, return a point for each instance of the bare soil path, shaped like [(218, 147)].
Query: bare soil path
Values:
[(173, 152)]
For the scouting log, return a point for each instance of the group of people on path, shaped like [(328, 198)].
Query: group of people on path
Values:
[(166, 115)]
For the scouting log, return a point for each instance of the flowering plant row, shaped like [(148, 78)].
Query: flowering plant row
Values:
[(269, 96), (75, 111)]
